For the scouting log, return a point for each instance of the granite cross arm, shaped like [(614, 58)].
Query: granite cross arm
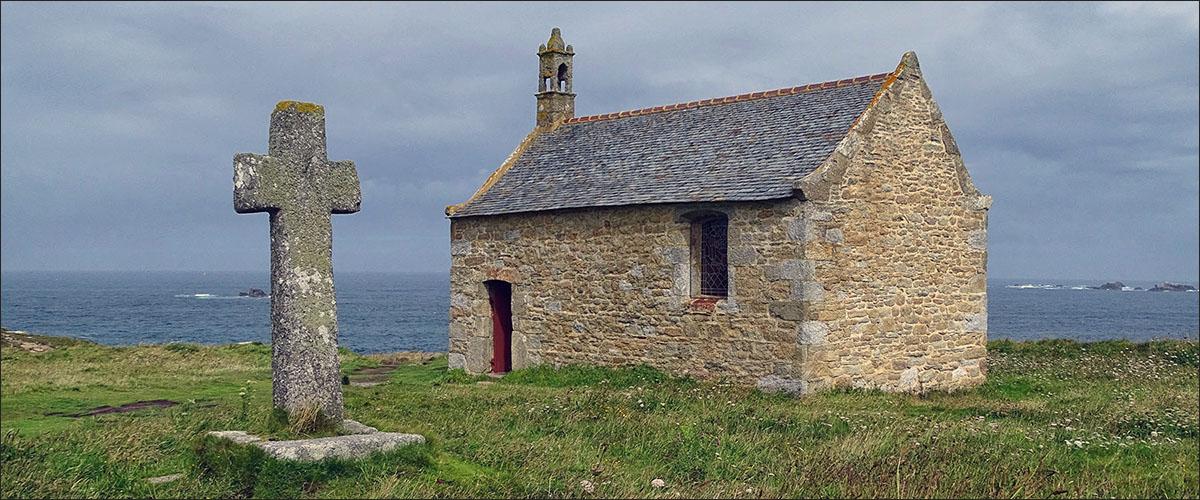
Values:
[(300, 187)]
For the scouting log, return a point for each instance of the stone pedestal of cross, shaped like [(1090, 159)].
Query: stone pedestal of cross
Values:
[(299, 187)]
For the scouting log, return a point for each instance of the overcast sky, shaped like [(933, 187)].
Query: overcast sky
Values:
[(120, 121)]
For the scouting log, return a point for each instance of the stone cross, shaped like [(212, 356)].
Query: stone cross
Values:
[(299, 187)]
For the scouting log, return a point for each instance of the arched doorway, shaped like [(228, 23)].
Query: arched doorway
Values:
[(500, 299)]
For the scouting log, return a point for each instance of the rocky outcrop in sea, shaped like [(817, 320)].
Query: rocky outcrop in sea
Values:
[(1167, 286)]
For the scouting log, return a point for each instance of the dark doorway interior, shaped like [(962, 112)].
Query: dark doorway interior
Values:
[(500, 298)]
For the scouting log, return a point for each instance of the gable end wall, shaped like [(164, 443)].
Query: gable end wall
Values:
[(902, 252)]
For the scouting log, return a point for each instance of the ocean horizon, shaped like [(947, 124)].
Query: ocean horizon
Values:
[(403, 311)]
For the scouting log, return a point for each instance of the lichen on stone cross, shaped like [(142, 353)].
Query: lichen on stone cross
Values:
[(299, 187)]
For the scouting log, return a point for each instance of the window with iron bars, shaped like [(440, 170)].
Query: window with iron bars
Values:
[(714, 269)]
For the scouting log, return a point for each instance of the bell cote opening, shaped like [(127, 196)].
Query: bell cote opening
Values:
[(562, 78)]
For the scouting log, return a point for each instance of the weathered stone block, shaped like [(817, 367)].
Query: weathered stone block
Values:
[(976, 323), (460, 300), (982, 202), (743, 256), (813, 332), (791, 310), (361, 441), (909, 381), (821, 215), (675, 255), (460, 247), (801, 229), (977, 239), (808, 291), (789, 269), (775, 383), (478, 355)]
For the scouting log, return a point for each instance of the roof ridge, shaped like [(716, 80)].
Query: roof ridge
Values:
[(750, 96)]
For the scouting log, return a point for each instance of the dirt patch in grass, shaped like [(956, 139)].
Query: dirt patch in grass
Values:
[(125, 408), (388, 362), (405, 357), (368, 377)]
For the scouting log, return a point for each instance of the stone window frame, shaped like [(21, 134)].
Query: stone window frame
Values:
[(696, 220)]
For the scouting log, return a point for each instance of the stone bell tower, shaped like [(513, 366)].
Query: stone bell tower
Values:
[(555, 101)]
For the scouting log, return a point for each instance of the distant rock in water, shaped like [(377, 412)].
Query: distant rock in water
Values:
[(254, 292), (1172, 287), (1112, 285)]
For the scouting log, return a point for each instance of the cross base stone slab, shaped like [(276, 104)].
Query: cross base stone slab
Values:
[(361, 441)]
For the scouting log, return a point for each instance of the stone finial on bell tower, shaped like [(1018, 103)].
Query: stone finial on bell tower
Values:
[(555, 101)]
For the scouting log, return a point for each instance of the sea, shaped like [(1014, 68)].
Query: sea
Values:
[(382, 312)]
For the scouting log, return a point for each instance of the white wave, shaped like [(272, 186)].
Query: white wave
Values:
[(209, 296)]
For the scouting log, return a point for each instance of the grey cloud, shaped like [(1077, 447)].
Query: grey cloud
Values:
[(119, 121)]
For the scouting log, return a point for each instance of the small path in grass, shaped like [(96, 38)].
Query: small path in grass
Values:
[(388, 363), (23, 341), (125, 408)]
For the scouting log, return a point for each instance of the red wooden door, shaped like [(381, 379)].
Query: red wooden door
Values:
[(500, 297)]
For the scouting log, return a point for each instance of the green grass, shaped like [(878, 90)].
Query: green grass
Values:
[(1055, 418)]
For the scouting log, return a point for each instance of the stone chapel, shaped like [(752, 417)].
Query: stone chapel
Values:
[(797, 239)]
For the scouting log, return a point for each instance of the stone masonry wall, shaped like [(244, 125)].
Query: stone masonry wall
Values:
[(897, 236), (612, 286), (876, 280)]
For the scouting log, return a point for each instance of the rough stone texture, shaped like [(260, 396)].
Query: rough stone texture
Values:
[(874, 276), (614, 286), (238, 437), (343, 447), (360, 441), (556, 68), (355, 427), (775, 383), (905, 305), (299, 187)]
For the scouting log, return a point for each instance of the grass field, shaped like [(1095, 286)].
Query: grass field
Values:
[(1055, 418)]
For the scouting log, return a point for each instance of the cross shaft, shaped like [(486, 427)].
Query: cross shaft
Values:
[(299, 187)]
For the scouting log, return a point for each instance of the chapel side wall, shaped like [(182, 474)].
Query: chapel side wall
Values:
[(611, 286), (898, 241)]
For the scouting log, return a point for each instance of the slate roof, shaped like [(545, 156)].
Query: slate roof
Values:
[(740, 148)]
